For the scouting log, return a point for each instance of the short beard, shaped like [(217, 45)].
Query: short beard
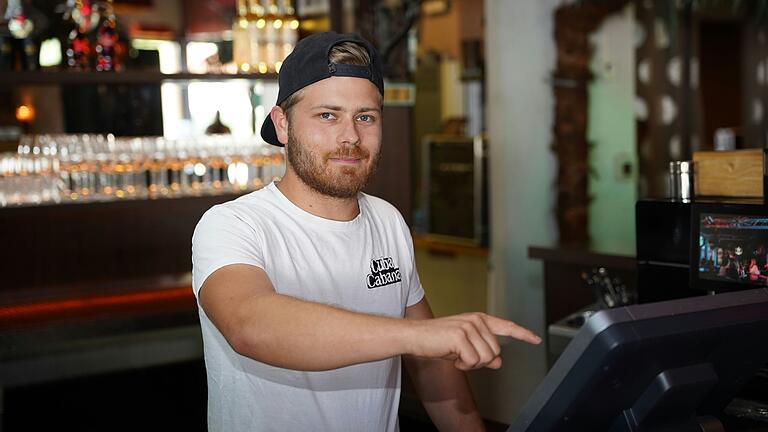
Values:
[(311, 168)]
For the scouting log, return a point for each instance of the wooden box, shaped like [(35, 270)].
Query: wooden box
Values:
[(737, 173)]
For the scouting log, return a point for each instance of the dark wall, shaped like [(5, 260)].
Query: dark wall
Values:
[(55, 245), (393, 178), (720, 69), (122, 110)]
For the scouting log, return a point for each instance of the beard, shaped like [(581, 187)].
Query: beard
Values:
[(315, 171)]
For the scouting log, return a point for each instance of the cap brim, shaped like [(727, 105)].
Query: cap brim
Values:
[(268, 132)]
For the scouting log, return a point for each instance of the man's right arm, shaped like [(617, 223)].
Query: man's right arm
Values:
[(296, 334)]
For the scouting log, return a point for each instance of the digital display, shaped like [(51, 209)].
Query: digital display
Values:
[(733, 248)]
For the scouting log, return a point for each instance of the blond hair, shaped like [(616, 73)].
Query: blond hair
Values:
[(343, 53)]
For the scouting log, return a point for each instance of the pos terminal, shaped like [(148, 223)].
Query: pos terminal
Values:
[(666, 366)]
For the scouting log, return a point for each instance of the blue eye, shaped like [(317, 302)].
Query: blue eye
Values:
[(366, 118), (326, 116)]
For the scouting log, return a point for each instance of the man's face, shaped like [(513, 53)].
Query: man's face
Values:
[(334, 135)]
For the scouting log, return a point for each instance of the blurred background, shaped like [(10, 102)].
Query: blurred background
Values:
[(538, 149)]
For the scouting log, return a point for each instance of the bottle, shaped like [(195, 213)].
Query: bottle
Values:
[(78, 50), (83, 14), (256, 31), (6, 46), (290, 33), (106, 42), (78, 45), (241, 44), (272, 35), (22, 46)]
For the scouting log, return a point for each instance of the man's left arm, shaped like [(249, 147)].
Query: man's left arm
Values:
[(442, 388)]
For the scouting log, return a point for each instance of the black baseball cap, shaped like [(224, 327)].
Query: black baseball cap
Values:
[(308, 64)]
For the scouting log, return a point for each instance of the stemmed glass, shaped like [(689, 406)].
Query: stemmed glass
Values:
[(52, 167)]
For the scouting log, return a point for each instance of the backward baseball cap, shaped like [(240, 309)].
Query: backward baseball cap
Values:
[(308, 64)]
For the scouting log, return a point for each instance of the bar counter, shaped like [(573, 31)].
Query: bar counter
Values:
[(565, 267), (93, 290), (98, 328)]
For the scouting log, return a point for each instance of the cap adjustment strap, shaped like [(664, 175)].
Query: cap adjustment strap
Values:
[(350, 70)]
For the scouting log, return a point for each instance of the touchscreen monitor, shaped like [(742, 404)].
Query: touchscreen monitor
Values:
[(730, 249)]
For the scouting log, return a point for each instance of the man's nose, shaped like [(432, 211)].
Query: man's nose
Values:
[(348, 134)]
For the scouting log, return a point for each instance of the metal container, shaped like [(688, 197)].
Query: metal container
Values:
[(681, 180)]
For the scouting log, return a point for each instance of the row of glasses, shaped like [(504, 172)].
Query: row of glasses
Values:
[(30, 176), (27, 180), (102, 167)]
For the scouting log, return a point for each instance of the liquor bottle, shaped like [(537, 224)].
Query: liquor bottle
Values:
[(6, 47), (256, 31), (241, 43), (78, 50), (78, 45), (83, 14), (272, 35), (290, 33), (23, 50), (106, 42)]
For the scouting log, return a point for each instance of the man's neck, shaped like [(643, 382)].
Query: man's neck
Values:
[(312, 201)]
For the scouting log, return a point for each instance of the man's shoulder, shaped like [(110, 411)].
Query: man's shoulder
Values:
[(382, 209), (252, 201), (379, 205), (248, 208)]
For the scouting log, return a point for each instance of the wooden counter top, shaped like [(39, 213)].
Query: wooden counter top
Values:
[(620, 258), (434, 244)]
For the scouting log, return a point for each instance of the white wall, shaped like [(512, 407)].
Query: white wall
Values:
[(520, 56), (611, 130)]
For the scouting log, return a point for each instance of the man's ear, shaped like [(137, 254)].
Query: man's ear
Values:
[(280, 120)]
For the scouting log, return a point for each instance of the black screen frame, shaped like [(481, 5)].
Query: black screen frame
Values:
[(619, 353), (729, 209)]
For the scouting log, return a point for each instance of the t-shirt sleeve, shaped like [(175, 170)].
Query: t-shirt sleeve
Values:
[(415, 290), (222, 237)]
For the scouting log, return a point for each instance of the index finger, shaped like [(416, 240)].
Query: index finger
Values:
[(502, 327)]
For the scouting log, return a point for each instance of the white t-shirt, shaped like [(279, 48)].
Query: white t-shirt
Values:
[(364, 265)]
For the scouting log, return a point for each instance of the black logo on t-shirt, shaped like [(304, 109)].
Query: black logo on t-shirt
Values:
[(383, 272)]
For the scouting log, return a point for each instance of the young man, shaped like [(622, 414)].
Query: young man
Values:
[(307, 288)]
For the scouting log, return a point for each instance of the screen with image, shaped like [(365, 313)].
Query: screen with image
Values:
[(733, 248)]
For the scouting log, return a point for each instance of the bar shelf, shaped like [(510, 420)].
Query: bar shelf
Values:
[(10, 79)]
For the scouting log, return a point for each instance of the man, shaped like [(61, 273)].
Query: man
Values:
[(308, 289)]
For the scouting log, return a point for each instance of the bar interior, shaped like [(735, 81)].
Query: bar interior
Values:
[(595, 171)]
